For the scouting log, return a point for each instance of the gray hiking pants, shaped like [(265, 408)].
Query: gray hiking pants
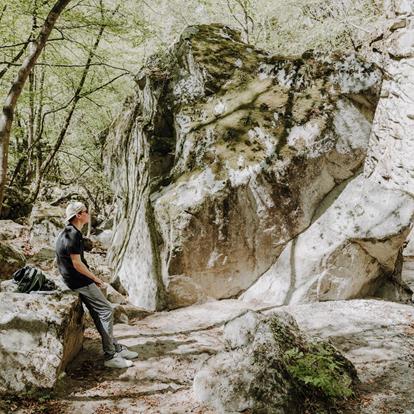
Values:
[(102, 315)]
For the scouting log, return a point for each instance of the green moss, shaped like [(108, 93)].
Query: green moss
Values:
[(320, 369), (313, 376)]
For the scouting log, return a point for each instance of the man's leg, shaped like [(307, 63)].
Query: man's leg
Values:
[(102, 315)]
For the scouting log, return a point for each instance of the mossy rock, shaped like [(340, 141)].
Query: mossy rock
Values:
[(271, 367)]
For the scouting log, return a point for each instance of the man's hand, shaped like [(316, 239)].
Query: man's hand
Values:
[(81, 268), (100, 283)]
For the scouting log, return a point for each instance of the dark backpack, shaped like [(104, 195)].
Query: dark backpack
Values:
[(30, 279)]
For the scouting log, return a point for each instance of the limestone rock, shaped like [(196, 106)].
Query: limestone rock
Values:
[(228, 162), (389, 160), (343, 254), (183, 291), (120, 316), (11, 259), (113, 296), (409, 248), (39, 335), (97, 262), (8, 286), (10, 230), (104, 238), (127, 313), (134, 312), (377, 336), (43, 255), (358, 239), (258, 371)]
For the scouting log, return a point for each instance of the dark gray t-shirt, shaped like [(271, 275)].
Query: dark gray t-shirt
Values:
[(70, 241)]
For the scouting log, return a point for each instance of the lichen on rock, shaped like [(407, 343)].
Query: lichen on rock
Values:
[(224, 154)]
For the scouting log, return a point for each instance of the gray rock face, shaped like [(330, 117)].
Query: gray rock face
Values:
[(183, 291), (46, 223), (223, 157), (358, 239), (39, 335), (12, 236), (10, 230), (344, 253), (376, 336), (256, 371), (390, 160)]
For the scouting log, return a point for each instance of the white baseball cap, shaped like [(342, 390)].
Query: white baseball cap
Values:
[(72, 209)]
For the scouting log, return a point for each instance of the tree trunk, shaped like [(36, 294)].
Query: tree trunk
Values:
[(78, 95), (32, 88), (7, 114)]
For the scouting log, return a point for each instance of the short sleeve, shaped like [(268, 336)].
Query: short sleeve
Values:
[(74, 245)]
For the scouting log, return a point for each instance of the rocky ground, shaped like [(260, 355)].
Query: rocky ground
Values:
[(172, 346), (376, 336)]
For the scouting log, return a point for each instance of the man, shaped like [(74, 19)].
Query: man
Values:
[(77, 276)]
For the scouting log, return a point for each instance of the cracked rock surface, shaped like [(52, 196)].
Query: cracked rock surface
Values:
[(39, 336), (377, 337), (353, 248), (222, 156)]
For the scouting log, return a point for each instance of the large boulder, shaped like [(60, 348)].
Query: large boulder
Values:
[(39, 336), (10, 230), (269, 366), (358, 239), (46, 222), (344, 253), (230, 153)]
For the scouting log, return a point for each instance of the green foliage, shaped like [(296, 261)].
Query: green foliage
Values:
[(320, 369), (45, 105), (133, 31)]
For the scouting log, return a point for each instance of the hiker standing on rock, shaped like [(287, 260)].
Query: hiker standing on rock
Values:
[(77, 276)]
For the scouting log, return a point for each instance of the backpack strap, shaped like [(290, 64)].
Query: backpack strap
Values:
[(28, 281)]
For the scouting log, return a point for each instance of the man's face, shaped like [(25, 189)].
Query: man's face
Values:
[(84, 216)]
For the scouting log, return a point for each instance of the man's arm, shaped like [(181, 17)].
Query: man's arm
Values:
[(81, 268)]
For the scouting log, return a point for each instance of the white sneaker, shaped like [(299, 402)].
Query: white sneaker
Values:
[(127, 354), (118, 362)]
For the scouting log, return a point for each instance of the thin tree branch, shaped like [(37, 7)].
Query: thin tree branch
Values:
[(78, 95), (28, 42), (70, 65), (2, 12), (102, 86), (79, 158), (6, 117), (15, 59)]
